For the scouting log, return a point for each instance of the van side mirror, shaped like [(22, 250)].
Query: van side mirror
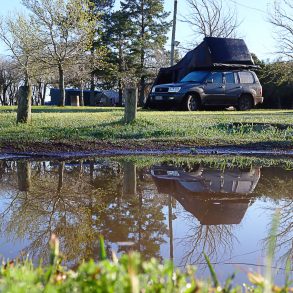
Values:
[(209, 80)]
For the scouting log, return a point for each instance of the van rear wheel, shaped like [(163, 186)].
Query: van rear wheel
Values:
[(244, 103), (191, 103)]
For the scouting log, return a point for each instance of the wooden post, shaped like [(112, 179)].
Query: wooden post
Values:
[(24, 104), (75, 101), (131, 96)]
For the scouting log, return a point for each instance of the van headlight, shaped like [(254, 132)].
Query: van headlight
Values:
[(153, 89), (174, 89)]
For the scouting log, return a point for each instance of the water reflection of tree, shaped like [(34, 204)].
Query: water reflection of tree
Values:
[(78, 202), (215, 240), (276, 187), (284, 235)]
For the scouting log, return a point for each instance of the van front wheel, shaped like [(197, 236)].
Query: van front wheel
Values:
[(192, 103)]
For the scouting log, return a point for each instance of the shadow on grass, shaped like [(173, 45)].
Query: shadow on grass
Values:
[(75, 110), (140, 129)]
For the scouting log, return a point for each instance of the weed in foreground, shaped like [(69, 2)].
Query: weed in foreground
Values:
[(127, 274)]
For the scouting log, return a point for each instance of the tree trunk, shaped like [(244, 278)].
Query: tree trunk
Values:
[(93, 86), (92, 93), (61, 86), (24, 103), (142, 57), (44, 94), (5, 102), (81, 96), (1, 99), (141, 91), (120, 91), (121, 70), (40, 93)]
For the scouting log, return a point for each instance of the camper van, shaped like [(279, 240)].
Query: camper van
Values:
[(218, 72)]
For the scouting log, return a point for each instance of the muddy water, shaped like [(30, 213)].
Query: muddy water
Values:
[(160, 207)]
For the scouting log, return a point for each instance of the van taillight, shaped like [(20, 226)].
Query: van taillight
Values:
[(260, 91)]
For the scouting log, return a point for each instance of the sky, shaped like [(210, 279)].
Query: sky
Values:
[(253, 14)]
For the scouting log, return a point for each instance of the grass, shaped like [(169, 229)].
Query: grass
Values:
[(203, 128), (212, 161), (130, 273)]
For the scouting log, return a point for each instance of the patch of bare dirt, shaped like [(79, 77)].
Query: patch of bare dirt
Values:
[(139, 146)]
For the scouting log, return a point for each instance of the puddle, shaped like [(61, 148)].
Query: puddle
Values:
[(170, 208)]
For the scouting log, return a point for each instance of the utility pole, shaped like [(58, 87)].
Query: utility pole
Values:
[(173, 33)]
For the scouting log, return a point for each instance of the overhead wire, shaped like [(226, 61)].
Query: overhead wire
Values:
[(248, 7)]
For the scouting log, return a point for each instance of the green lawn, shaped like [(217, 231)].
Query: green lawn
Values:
[(203, 128)]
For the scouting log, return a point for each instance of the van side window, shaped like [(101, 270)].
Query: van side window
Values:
[(217, 77), (230, 78), (246, 77)]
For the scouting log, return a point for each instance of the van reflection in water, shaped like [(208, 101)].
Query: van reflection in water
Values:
[(213, 196)]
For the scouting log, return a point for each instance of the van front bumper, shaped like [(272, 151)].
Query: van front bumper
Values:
[(165, 99)]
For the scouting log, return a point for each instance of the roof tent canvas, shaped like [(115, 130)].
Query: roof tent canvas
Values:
[(212, 53)]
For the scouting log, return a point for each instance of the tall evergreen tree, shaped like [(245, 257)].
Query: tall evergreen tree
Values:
[(103, 4), (150, 27), (104, 9), (117, 38)]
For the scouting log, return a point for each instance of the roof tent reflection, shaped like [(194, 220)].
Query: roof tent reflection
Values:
[(213, 196)]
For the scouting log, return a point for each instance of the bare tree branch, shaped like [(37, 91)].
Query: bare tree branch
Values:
[(208, 18), (281, 18)]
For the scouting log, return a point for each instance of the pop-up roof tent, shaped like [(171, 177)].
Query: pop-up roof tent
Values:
[(212, 53)]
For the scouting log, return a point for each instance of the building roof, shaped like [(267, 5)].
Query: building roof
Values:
[(111, 94)]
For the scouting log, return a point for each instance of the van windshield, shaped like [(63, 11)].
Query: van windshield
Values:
[(195, 76)]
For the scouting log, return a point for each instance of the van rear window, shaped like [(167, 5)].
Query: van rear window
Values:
[(246, 77)]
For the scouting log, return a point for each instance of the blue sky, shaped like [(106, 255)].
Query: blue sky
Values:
[(256, 31)]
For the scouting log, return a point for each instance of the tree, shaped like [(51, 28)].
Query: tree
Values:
[(48, 201), (80, 74), (276, 80), (18, 34), (280, 72), (282, 20), (65, 30), (105, 5), (9, 77), (208, 18), (117, 39), (150, 27)]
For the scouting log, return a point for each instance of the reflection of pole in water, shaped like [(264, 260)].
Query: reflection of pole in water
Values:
[(24, 175), (61, 175), (129, 179), (80, 168), (170, 215), (92, 169)]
